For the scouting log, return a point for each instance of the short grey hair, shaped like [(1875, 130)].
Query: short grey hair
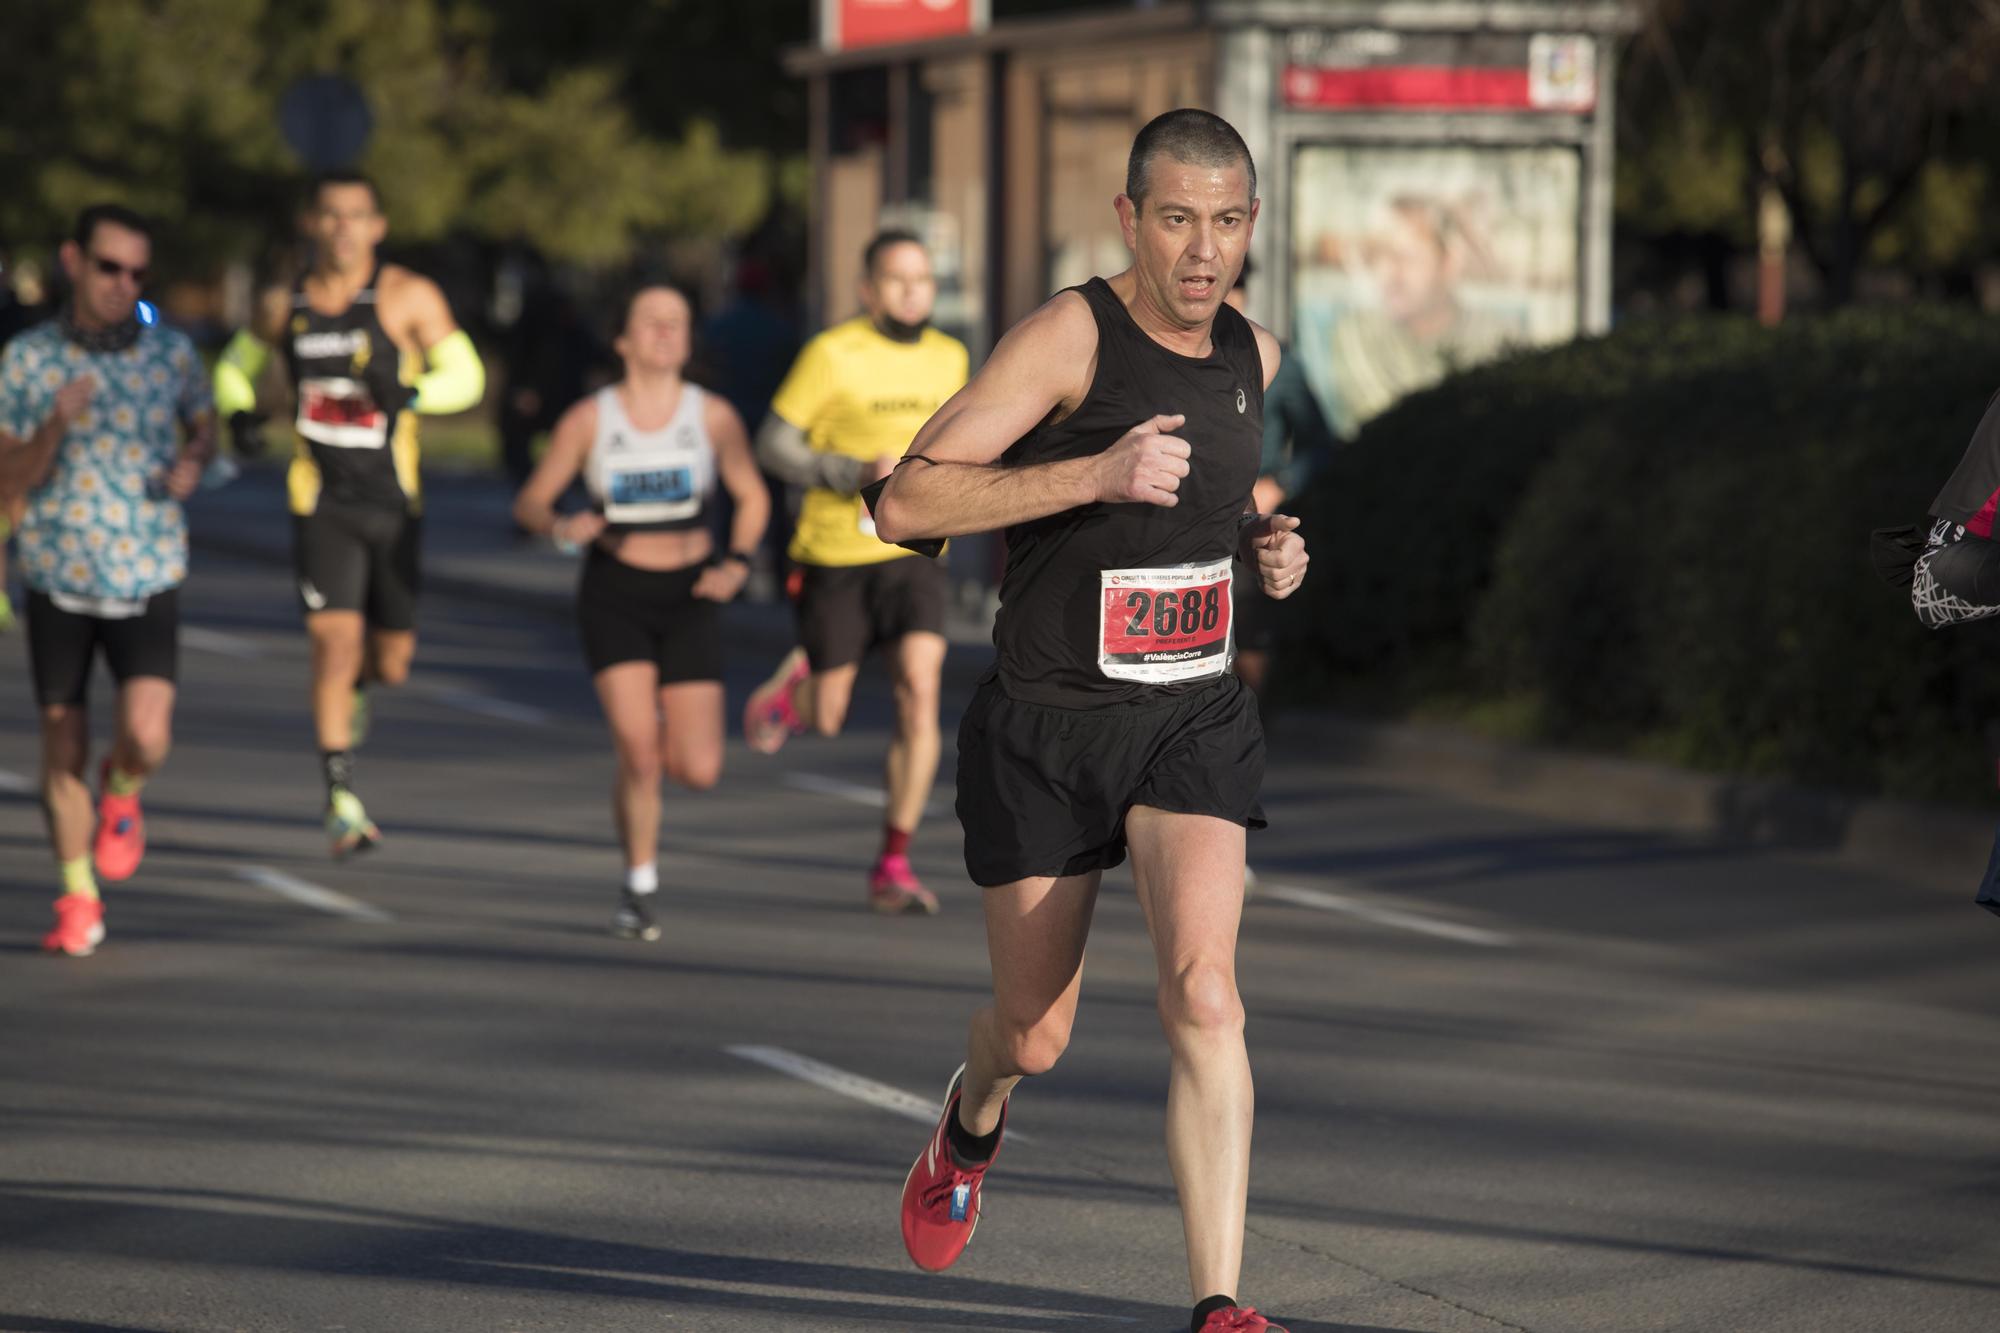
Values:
[(1198, 138)]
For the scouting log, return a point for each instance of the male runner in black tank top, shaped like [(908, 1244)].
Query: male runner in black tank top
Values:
[(1116, 434), (369, 346)]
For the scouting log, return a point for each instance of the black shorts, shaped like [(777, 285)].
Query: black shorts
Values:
[(625, 614), (62, 644), (1045, 791), (358, 558), (845, 611)]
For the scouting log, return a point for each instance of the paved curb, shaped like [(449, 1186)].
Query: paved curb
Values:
[(1932, 846)]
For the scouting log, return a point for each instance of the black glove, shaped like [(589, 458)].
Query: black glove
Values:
[(246, 434)]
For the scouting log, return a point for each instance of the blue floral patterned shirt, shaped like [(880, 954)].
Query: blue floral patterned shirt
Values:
[(101, 523)]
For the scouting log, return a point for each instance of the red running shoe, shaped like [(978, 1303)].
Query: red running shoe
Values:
[(769, 719), (893, 887), (940, 1197), (79, 926), (121, 831), (1238, 1319)]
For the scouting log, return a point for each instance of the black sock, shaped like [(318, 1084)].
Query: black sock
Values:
[(967, 1148), (338, 766), (1207, 1308)]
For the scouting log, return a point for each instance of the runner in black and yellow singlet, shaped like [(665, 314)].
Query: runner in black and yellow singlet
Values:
[(369, 347)]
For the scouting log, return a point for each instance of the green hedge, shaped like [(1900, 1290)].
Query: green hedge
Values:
[(1656, 542)]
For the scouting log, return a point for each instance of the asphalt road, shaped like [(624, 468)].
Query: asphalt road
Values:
[(1512, 1074)]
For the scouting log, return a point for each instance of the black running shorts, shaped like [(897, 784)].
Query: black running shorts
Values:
[(845, 611), (626, 614), (349, 557), (62, 645), (1045, 791)]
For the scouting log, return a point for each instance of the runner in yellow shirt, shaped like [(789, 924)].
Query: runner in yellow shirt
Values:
[(852, 403)]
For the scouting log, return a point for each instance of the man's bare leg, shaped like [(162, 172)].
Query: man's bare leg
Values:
[(1035, 933), (1189, 871)]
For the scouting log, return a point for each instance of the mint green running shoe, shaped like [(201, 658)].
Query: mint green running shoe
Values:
[(348, 827)]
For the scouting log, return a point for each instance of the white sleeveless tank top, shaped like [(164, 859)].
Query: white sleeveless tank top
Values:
[(656, 480)]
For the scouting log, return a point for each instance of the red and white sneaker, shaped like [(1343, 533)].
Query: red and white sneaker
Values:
[(79, 926), (769, 718), (940, 1197), (1238, 1319), (121, 831), (893, 887)]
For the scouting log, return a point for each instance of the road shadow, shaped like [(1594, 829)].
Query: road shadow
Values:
[(194, 1227)]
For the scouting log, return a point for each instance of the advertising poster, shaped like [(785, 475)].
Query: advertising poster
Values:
[(1411, 262)]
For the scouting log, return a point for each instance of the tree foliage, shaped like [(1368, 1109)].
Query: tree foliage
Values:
[(1870, 116), (172, 106)]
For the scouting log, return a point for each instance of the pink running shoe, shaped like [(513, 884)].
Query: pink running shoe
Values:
[(121, 832), (894, 888), (79, 926), (940, 1197), (769, 719)]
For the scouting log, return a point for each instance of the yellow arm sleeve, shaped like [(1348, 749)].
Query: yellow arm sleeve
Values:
[(236, 372), (456, 379)]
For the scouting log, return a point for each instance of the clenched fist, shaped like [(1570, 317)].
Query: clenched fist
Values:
[(1146, 465)]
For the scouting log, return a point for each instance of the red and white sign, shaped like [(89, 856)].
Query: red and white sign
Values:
[(1560, 74), (846, 24)]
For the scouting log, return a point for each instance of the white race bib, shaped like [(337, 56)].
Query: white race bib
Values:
[(1164, 626)]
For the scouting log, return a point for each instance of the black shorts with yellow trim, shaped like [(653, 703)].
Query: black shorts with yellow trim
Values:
[(1044, 791)]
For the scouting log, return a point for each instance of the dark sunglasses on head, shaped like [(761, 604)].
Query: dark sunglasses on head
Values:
[(111, 268)]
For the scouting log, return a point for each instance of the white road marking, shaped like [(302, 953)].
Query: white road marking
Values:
[(215, 641), (842, 790), (485, 705), (312, 895), (1386, 916), (13, 782), (879, 1095)]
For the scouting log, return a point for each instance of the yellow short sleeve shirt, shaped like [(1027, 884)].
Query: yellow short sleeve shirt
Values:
[(858, 393)]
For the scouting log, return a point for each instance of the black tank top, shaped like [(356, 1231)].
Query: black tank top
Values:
[(352, 441), (1117, 603)]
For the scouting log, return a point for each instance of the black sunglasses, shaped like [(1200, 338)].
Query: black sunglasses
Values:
[(111, 268)]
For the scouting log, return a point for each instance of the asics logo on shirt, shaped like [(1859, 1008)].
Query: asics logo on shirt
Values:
[(1242, 403)]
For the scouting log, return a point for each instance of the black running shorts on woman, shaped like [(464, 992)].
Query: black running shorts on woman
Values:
[(626, 614), (1116, 623)]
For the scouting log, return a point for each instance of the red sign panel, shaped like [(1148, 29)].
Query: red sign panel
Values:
[(879, 22), (1406, 86)]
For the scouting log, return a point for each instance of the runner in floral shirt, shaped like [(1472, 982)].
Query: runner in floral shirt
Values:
[(115, 425)]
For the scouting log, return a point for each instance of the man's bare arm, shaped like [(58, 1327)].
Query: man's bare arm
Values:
[(950, 483)]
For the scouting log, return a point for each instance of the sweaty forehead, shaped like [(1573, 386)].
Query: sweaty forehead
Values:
[(1190, 184)]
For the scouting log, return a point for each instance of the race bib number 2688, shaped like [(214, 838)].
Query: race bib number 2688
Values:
[(1163, 626)]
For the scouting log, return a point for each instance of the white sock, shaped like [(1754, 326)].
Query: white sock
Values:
[(643, 879)]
